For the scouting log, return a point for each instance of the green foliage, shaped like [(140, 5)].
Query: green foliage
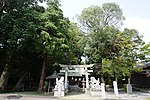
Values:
[(144, 53), (76, 44), (52, 39)]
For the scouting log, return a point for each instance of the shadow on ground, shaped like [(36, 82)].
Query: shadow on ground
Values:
[(14, 97)]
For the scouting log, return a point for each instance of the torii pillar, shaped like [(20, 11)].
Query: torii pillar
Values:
[(66, 79), (87, 78)]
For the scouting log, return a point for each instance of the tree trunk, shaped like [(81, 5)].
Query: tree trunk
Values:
[(129, 79), (5, 73), (42, 77), (19, 82), (2, 4), (115, 76), (101, 71), (4, 78), (102, 78)]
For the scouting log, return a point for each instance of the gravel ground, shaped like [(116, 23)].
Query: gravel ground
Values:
[(77, 96)]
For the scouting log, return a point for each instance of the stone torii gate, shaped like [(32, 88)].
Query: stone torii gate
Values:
[(83, 71)]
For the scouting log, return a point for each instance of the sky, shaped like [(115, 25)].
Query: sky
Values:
[(136, 12)]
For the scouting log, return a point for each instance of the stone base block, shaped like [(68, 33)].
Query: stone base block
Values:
[(96, 93), (57, 94)]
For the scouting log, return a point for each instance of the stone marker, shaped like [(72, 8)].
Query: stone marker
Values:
[(129, 89), (115, 88), (103, 90)]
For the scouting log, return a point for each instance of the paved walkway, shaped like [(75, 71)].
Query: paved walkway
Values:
[(109, 96)]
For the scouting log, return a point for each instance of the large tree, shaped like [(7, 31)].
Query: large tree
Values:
[(52, 37), (130, 47), (102, 23), (18, 23)]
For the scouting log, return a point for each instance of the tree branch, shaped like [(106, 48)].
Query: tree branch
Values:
[(2, 4)]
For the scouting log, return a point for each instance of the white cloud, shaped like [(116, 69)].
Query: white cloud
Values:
[(142, 25)]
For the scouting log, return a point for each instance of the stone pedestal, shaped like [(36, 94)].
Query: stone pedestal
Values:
[(59, 92), (59, 89), (95, 93), (95, 88), (129, 89)]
